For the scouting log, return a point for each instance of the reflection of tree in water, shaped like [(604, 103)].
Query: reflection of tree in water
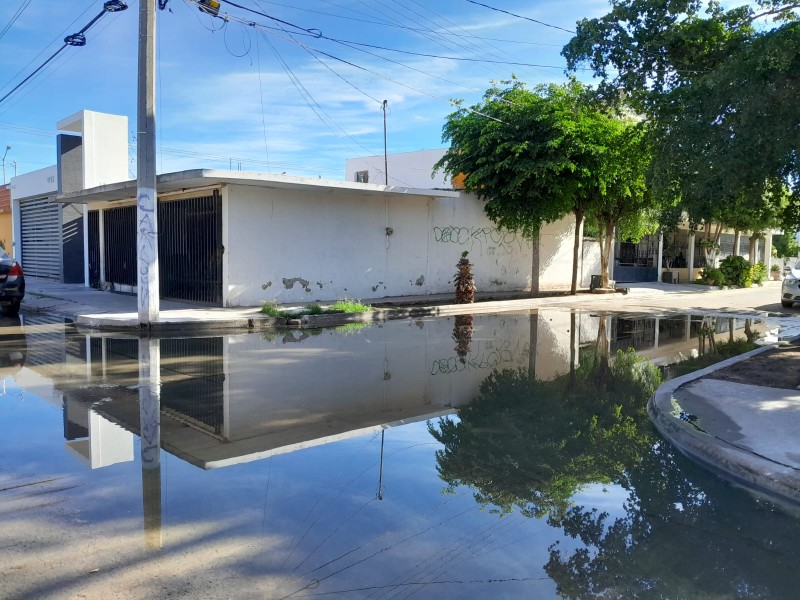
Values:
[(532, 444), (462, 335), (683, 533)]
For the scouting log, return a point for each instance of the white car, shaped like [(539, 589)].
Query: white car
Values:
[(790, 289)]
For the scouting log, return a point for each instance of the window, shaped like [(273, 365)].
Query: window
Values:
[(362, 176)]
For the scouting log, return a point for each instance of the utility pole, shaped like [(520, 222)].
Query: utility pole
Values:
[(4, 164), (385, 156), (146, 197)]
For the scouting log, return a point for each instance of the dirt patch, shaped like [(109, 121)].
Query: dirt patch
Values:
[(778, 368)]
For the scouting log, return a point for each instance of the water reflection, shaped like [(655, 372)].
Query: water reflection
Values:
[(534, 417)]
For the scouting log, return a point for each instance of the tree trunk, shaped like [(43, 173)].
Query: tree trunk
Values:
[(606, 239), (576, 250), (737, 241), (609, 243)]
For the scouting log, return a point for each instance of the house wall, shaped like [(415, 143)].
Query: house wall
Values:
[(6, 224), (43, 182), (303, 246), (406, 169)]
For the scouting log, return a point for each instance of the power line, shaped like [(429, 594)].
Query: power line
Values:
[(319, 35), (76, 39), (14, 17), (406, 27), (521, 16)]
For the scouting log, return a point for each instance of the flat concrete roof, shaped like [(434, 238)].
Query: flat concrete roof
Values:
[(203, 178)]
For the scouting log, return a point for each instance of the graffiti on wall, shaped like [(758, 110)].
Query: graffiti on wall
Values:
[(484, 355), (482, 240)]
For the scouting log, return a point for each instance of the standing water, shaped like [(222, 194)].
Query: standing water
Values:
[(491, 456)]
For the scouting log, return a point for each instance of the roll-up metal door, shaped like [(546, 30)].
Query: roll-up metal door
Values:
[(40, 223)]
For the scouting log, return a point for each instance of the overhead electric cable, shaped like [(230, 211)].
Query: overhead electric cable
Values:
[(521, 16), (313, 32), (230, 17), (76, 39), (382, 76), (14, 18)]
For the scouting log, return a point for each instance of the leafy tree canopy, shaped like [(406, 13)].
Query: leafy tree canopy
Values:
[(718, 86), (525, 152)]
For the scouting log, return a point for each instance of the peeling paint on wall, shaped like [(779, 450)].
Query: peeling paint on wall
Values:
[(420, 281), (319, 283), (266, 285), (289, 283)]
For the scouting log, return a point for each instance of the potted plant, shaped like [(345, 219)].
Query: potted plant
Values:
[(775, 271)]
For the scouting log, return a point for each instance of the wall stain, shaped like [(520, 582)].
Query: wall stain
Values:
[(289, 283), (420, 281), (319, 283), (266, 285)]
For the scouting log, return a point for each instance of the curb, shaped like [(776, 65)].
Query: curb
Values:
[(730, 462)]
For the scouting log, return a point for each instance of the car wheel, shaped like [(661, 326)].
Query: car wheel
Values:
[(12, 310), (787, 303)]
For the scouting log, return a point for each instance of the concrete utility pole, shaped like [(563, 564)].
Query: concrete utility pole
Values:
[(146, 198)]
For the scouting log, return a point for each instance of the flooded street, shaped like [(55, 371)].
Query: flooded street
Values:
[(486, 456)]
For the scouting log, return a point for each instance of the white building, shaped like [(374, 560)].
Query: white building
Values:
[(231, 238)]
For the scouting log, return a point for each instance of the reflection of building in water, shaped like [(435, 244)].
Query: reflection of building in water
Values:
[(95, 439), (232, 399), (662, 340)]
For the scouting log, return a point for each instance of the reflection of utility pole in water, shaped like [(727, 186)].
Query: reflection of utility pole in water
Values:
[(150, 432), (380, 470)]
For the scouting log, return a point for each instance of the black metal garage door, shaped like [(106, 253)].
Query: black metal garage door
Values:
[(189, 248)]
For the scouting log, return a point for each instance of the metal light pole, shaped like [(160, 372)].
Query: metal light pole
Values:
[(4, 163), (146, 198)]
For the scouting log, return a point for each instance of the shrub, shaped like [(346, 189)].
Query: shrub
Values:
[(758, 273), (710, 274), (736, 270)]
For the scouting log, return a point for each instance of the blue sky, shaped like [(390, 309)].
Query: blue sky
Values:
[(267, 100)]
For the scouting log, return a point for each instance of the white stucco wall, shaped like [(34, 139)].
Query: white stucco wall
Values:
[(304, 246), (36, 183), (407, 169), (105, 145), (555, 258)]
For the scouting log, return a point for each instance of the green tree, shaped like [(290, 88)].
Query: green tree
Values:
[(786, 245), (534, 156), (717, 88), (622, 204)]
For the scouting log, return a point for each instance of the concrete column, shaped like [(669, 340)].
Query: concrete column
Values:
[(768, 250), (660, 254), (690, 256)]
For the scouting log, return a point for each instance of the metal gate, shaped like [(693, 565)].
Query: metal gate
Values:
[(40, 225), (119, 232), (189, 248), (94, 247)]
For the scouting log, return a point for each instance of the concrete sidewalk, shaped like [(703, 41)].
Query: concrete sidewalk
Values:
[(100, 310), (745, 432)]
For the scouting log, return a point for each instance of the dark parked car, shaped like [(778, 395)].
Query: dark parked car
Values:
[(12, 284)]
